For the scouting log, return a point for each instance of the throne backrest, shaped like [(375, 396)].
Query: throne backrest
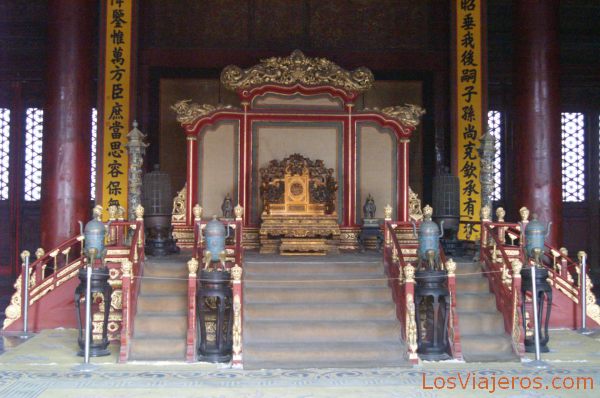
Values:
[(297, 185)]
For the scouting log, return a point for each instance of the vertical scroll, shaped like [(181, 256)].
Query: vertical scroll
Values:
[(116, 101), (469, 112)]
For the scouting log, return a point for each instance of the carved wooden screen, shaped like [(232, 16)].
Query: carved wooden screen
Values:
[(289, 105)]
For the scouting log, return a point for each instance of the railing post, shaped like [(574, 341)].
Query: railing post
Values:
[(126, 268), (190, 355), (236, 273), (411, 323), (197, 211), (453, 327), (582, 256), (239, 212)]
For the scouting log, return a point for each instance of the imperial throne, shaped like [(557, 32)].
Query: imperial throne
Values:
[(299, 216)]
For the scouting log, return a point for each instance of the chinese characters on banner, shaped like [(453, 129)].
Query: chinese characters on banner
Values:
[(117, 95), (469, 113)]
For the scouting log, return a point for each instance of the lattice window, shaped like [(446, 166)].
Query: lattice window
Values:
[(573, 159), (496, 129), (4, 152), (34, 132), (93, 155)]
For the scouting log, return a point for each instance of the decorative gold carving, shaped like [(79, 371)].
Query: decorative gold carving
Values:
[(139, 213), (297, 69), (236, 272), (126, 268), (304, 246), (179, 205), (238, 211), (197, 211), (411, 326), (116, 299), (524, 213), (500, 213), (516, 268), (408, 114), (192, 267), (414, 206), (516, 326), (387, 212), (409, 273), (237, 325), (450, 267), (187, 111), (427, 212)]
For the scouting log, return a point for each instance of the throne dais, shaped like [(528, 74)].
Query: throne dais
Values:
[(299, 215)]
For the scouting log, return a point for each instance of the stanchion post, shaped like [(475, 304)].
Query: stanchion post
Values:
[(538, 363), (25, 289), (582, 256)]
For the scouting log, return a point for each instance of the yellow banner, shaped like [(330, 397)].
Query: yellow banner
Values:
[(117, 96), (469, 113)]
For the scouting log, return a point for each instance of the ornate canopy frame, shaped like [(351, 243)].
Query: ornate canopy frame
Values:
[(297, 76)]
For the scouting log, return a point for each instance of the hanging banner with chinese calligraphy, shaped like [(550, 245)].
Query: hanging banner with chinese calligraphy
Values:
[(468, 112), (116, 102)]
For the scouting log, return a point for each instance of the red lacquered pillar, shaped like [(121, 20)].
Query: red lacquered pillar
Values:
[(537, 129), (67, 120)]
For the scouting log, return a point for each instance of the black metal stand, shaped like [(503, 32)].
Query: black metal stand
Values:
[(544, 299), (215, 316), (100, 285), (432, 299)]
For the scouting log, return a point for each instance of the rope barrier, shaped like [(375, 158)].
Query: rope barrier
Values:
[(354, 280)]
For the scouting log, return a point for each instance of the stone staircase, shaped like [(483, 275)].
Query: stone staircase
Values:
[(483, 338), (160, 325), (292, 319)]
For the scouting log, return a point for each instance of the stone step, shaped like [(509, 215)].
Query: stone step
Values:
[(166, 270), (163, 286), (334, 355), (160, 325), (152, 349), (488, 348), (310, 267), (328, 281), (474, 284), (480, 323), (319, 312), (475, 302), (467, 267), (173, 304), (321, 331), (311, 294)]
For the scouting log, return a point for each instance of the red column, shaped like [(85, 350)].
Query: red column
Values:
[(67, 120), (537, 128)]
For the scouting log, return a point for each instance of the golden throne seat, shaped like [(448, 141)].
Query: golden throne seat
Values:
[(299, 214)]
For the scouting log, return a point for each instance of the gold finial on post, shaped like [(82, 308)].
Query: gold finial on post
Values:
[(39, 253), (25, 254), (238, 211), (139, 213), (564, 251), (192, 267), (98, 212), (427, 212), (112, 212), (387, 212), (236, 272), (197, 211), (450, 267), (500, 213), (524, 212), (581, 255), (486, 213)]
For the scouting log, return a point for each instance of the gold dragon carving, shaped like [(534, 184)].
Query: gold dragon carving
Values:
[(187, 111), (408, 114), (297, 69)]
